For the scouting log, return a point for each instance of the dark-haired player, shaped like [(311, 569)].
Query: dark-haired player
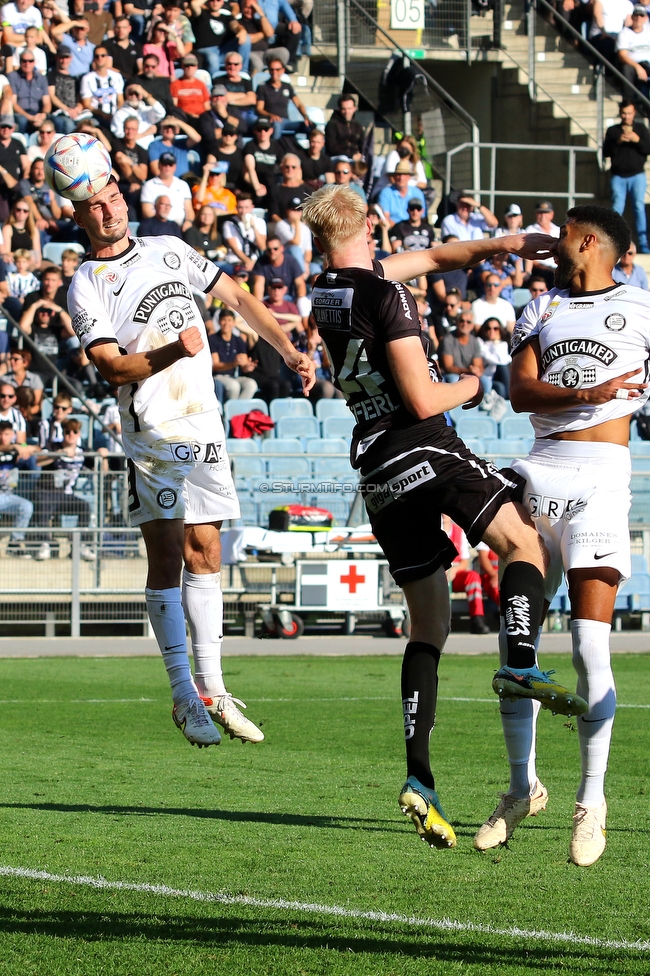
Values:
[(580, 366), (414, 468), (133, 310)]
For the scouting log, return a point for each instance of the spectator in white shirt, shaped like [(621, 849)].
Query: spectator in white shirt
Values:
[(245, 237), (102, 88), (16, 18), (492, 306), (633, 48), (179, 193), (142, 106), (470, 221), (296, 237), (543, 225)]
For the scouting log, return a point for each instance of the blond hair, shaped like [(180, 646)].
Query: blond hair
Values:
[(335, 215)]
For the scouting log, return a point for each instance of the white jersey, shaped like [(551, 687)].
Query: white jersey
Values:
[(142, 299), (586, 340)]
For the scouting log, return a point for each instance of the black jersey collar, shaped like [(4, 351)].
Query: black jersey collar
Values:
[(588, 294)]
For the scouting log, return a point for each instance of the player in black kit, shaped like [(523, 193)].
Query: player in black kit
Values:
[(414, 467)]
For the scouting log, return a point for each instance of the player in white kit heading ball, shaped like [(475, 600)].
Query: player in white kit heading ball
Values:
[(133, 310)]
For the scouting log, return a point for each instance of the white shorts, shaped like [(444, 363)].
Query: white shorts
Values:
[(578, 494), (196, 491)]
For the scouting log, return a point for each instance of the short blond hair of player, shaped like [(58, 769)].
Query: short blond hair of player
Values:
[(335, 215)]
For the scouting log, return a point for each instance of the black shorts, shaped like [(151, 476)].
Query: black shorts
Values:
[(407, 494)]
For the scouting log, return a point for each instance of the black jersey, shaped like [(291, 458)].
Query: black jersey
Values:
[(358, 312)]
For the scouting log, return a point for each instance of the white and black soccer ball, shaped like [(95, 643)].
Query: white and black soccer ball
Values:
[(77, 166)]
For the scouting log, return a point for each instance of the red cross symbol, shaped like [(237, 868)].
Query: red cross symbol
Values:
[(352, 579)]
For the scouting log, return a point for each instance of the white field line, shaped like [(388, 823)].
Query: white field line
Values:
[(443, 924), (138, 701)]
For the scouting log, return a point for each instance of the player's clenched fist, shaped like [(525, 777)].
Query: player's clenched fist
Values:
[(190, 341)]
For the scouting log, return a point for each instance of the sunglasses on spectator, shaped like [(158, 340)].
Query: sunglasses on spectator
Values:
[(21, 209), (60, 406), (493, 328), (467, 321), (27, 60), (290, 166), (7, 396), (492, 284), (272, 249), (341, 172), (45, 311)]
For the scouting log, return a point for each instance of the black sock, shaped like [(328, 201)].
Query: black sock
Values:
[(419, 694), (522, 605)]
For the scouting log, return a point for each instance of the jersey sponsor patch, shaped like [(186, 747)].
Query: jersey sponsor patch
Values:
[(397, 486), (158, 295), (198, 260), (578, 347), (131, 261), (580, 305), (332, 308), (615, 322), (82, 323), (108, 273), (185, 451)]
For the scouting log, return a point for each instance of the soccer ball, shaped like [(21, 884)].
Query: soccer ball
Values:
[(77, 166)]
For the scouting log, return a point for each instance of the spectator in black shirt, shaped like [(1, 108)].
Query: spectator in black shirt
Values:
[(291, 192), (273, 102), (265, 369), (316, 164), (230, 358), (239, 87), (412, 234), (259, 30), (628, 144), (160, 224), (154, 84), (64, 92), (126, 54), (131, 163), (224, 150), (204, 236), (261, 157), (217, 32), (220, 114), (343, 136), (14, 163), (274, 263)]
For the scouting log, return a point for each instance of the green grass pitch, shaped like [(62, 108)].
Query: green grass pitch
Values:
[(95, 782)]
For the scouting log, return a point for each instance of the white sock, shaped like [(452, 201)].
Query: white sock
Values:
[(519, 722), (591, 660), (166, 616), (203, 603)]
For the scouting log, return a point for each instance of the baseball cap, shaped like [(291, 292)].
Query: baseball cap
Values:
[(63, 51), (167, 158), (240, 271), (403, 167), (263, 123), (544, 207), (219, 90), (189, 59), (228, 130), (639, 9), (414, 204), (514, 210), (277, 282), (7, 120)]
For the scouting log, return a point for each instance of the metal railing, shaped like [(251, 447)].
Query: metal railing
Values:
[(364, 49), (492, 192), (600, 66)]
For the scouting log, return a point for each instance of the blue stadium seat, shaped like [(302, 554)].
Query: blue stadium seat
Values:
[(233, 408), (249, 466), (640, 510), (289, 407), (303, 427), (335, 467), (639, 563), (640, 448), (331, 408), (483, 427), (329, 445), (516, 427), (338, 505), (560, 602), (52, 251), (84, 420), (515, 447), (640, 464), (338, 427), (249, 514), (476, 446), (634, 593), (292, 468), (281, 445), (242, 445)]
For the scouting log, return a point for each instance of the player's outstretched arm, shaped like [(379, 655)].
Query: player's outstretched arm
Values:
[(117, 369), (530, 394), (260, 319), (464, 254), (421, 397)]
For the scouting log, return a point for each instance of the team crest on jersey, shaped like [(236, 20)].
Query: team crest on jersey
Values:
[(107, 273), (158, 295), (166, 497), (615, 322), (172, 260), (578, 347)]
